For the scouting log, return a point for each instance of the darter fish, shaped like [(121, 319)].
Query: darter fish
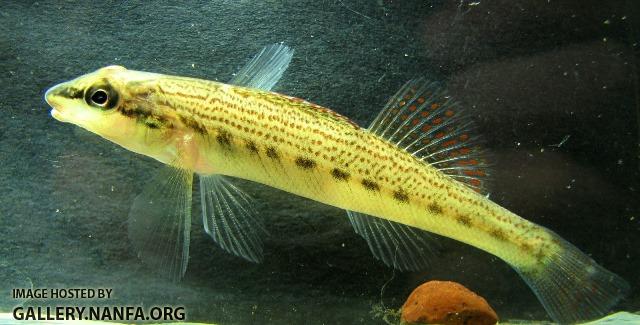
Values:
[(416, 170)]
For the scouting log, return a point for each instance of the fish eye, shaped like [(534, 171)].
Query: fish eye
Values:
[(99, 97)]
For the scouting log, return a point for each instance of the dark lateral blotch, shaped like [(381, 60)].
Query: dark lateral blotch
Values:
[(370, 185), (434, 208), (224, 138), (498, 234), (273, 153), (526, 247), (464, 220), (340, 174), (251, 146), (401, 195), (305, 163)]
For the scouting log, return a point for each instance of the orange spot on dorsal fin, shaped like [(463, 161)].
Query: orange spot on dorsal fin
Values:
[(424, 120)]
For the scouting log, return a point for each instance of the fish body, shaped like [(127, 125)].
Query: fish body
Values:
[(305, 149), (211, 128)]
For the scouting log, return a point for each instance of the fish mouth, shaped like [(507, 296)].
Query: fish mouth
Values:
[(50, 97), (56, 114)]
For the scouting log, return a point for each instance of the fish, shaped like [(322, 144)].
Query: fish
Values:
[(417, 170)]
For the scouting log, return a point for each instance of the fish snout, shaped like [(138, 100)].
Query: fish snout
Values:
[(54, 96), (51, 94)]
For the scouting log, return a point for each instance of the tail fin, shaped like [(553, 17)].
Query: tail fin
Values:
[(572, 287)]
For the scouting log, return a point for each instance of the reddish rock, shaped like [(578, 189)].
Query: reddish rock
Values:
[(448, 303)]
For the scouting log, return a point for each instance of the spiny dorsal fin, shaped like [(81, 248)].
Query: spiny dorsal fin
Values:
[(265, 69), (423, 120), (399, 246)]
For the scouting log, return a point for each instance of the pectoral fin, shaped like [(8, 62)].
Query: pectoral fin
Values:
[(160, 221), (230, 219), (399, 246)]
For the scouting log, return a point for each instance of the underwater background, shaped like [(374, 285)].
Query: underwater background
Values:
[(552, 85)]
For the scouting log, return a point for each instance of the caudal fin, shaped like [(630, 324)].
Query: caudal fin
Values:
[(572, 287)]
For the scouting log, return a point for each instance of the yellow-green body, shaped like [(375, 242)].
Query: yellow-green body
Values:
[(310, 151)]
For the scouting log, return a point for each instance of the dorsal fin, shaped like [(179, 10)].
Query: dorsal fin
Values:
[(426, 122), (265, 69)]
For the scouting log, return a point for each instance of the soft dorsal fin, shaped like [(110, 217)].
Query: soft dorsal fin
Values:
[(265, 69), (426, 122)]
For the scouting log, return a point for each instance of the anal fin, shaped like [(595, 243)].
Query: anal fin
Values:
[(160, 222), (230, 219), (399, 246)]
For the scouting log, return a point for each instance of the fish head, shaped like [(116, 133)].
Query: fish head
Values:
[(87, 100), (116, 104)]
